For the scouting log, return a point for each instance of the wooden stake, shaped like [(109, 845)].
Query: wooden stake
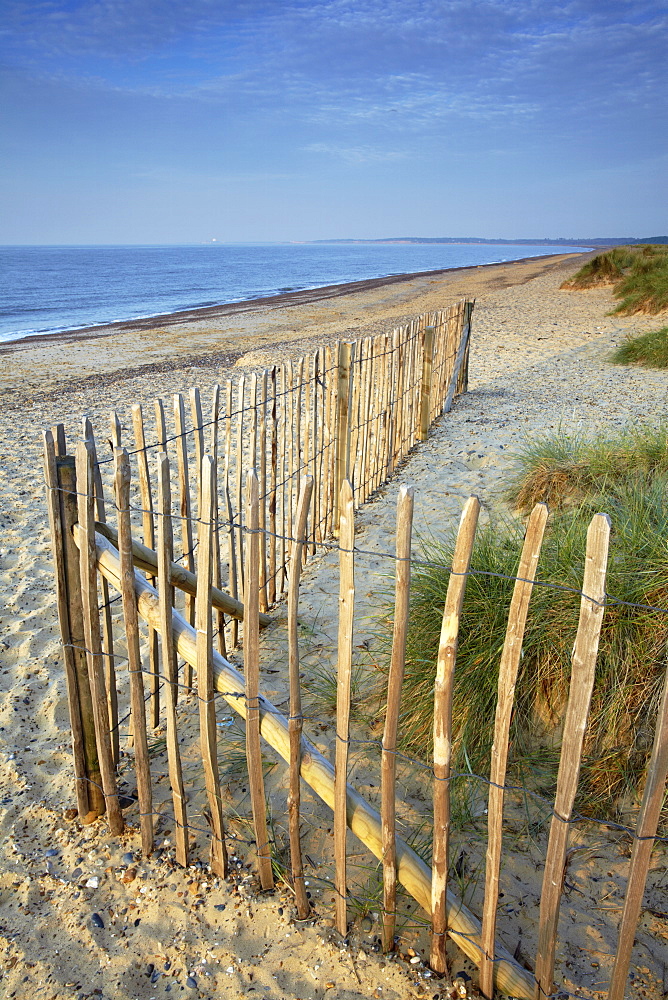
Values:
[(91, 621), (290, 418), (271, 583), (187, 546), (281, 487), (233, 582), (296, 721), (131, 624), (166, 602), (60, 444), (467, 311), (198, 439), (148, 535), (445, 671), (160, 425), (459, 362), (318, 773), (648, 821), (508, 667), (69, 516), (205, 689), (215, 555), (241, 403), (262, 466), (343, 681), (342, 424), (425, 386), (252, 674), (405, 502), (70, 653), (583, 666), (107, 629), (115, 427)]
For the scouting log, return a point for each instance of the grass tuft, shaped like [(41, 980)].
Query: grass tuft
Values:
[(638, 273), (650, 350), (634, 642), (563, 469)]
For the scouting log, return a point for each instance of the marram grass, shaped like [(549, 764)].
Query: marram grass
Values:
[(649, 350), (632, 653), (563, 469), (639, 275)]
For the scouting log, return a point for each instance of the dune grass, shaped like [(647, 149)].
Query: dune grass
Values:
[(638, 273), (634, 642), (563, 469), (649, 350)]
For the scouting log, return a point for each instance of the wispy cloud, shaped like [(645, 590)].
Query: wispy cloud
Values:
[(261, 90), (356, 154)]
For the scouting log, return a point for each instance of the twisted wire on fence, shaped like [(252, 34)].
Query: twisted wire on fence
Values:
[(219, 524), (374, 742)]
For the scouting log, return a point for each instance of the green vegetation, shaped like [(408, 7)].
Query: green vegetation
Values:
[(650, 350), (633, 489), (639, 275), (563, 470)]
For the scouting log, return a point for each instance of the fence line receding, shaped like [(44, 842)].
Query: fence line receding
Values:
[(228, 512)]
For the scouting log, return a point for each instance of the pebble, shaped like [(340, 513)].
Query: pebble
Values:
[(97, 920), (51, 853), (192, 983), (219, 906), (76, 874), (128, 858), (93, 882)]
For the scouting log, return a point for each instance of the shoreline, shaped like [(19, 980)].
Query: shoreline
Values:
[(305, 296)]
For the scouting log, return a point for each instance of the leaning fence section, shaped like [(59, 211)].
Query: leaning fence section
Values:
[(172, 551)]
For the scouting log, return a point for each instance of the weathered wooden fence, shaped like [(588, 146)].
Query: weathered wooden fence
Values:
[(351, 432)]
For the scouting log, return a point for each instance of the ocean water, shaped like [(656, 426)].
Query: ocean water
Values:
[(46, 289)]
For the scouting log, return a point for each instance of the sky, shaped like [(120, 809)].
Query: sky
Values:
[(172, 121)]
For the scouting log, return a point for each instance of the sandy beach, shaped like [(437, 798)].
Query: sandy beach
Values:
[(538, 362)]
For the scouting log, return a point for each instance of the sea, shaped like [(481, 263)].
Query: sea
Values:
[(49, 289)]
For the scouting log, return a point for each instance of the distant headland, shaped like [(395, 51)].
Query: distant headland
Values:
[(594, 241)]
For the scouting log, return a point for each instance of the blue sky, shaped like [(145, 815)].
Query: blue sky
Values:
[(166, 121)]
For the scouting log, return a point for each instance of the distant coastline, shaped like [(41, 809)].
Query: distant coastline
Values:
[(596, 241)]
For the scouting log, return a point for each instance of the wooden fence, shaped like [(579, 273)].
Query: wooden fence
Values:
[(95, 560)]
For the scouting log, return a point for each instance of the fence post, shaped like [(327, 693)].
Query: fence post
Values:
[(251, 651), (343, 681), (463, 385), (425, 388), (60, 478), (443, 691), (342, 424), (91, 629), (592, 608), (405, 504), (460, 378), (295, 720)]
